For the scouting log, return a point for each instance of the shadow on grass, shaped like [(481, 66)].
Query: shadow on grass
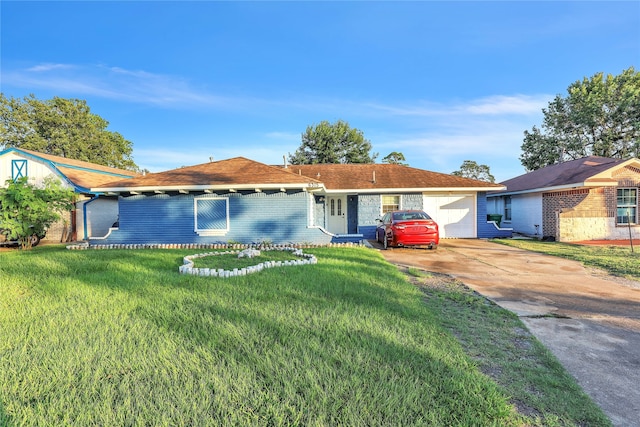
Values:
[(4, 418), (342, 356), (347, 338), (350, 322)]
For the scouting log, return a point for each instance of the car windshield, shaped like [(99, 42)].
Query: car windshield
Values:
[(407, 216)]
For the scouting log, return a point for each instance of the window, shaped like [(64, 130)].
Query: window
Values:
[(627, 206), (18, 169), (211, 216), (507, 208), (390, 203)]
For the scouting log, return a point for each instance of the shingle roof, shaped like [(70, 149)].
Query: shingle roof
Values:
[(80, 173), (362, 177), (562, 174), (237, 172)]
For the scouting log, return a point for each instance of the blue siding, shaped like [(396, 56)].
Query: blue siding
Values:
[(276, 217), (487, 230), (368, 231)]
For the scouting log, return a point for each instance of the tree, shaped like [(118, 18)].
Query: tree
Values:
[(471, 169), (394, 158), (333, 143), (600, 116), (62, 127), (27, 210)]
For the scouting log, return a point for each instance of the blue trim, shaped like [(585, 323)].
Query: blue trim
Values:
[(82, 168), (18, 169)]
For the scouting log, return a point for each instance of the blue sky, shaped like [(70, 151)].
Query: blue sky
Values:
[(441, 82)]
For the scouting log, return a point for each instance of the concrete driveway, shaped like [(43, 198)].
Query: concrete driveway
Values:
[(589, 320)]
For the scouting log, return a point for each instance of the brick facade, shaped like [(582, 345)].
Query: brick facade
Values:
[(553, 203), (587, 213)]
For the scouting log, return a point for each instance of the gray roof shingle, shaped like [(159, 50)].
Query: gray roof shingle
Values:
[(561, 174)]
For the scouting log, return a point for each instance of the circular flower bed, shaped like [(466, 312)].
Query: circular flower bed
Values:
[(188, 265)]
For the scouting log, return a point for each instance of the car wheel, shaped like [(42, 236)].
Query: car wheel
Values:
[(34, 240), (433, 247), (385, 242)]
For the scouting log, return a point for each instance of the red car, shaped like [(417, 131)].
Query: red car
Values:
[(408, 228)]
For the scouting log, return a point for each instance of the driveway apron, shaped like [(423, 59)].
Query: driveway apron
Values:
[(588, 320)]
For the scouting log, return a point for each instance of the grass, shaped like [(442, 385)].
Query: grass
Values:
[(120, 338), (617, 260), (506, 351)]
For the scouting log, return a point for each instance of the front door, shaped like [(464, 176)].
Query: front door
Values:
[(337, 214)]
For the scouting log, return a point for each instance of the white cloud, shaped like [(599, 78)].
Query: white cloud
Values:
[(442, 143), (517, 104), (492, 105), (115, 83), (48, 67), (432, 135), (163, 159)]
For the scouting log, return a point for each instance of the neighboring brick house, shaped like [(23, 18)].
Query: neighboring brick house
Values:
[(90, 216), (593, 198)]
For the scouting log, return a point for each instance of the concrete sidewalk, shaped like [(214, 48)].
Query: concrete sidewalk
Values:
[(589, 320)]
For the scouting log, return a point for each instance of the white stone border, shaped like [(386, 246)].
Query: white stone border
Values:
[(239, 246), (188, 268)]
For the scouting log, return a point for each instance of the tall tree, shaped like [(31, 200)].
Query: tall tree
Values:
[(471, 169), (333, 143), (62, 127), (599, 116), (394, 158)]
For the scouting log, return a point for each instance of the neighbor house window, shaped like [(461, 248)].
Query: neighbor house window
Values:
[(390, 203), (627, 206), (507, 208), (211, 216), (18, 169)]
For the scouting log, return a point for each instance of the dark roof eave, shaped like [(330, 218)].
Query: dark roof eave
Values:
[(573, 186), (204, 187), (413, 190)]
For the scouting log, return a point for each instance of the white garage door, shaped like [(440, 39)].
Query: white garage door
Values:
[(454, 213)]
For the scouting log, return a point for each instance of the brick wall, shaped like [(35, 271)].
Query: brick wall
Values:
[(556, 202), (588, 214), (628, 177)]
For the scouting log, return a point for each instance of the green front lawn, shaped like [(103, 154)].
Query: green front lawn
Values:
[(618, 260), (118, 337)]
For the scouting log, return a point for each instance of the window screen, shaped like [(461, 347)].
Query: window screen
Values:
[(211, 216), (627, 205)]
